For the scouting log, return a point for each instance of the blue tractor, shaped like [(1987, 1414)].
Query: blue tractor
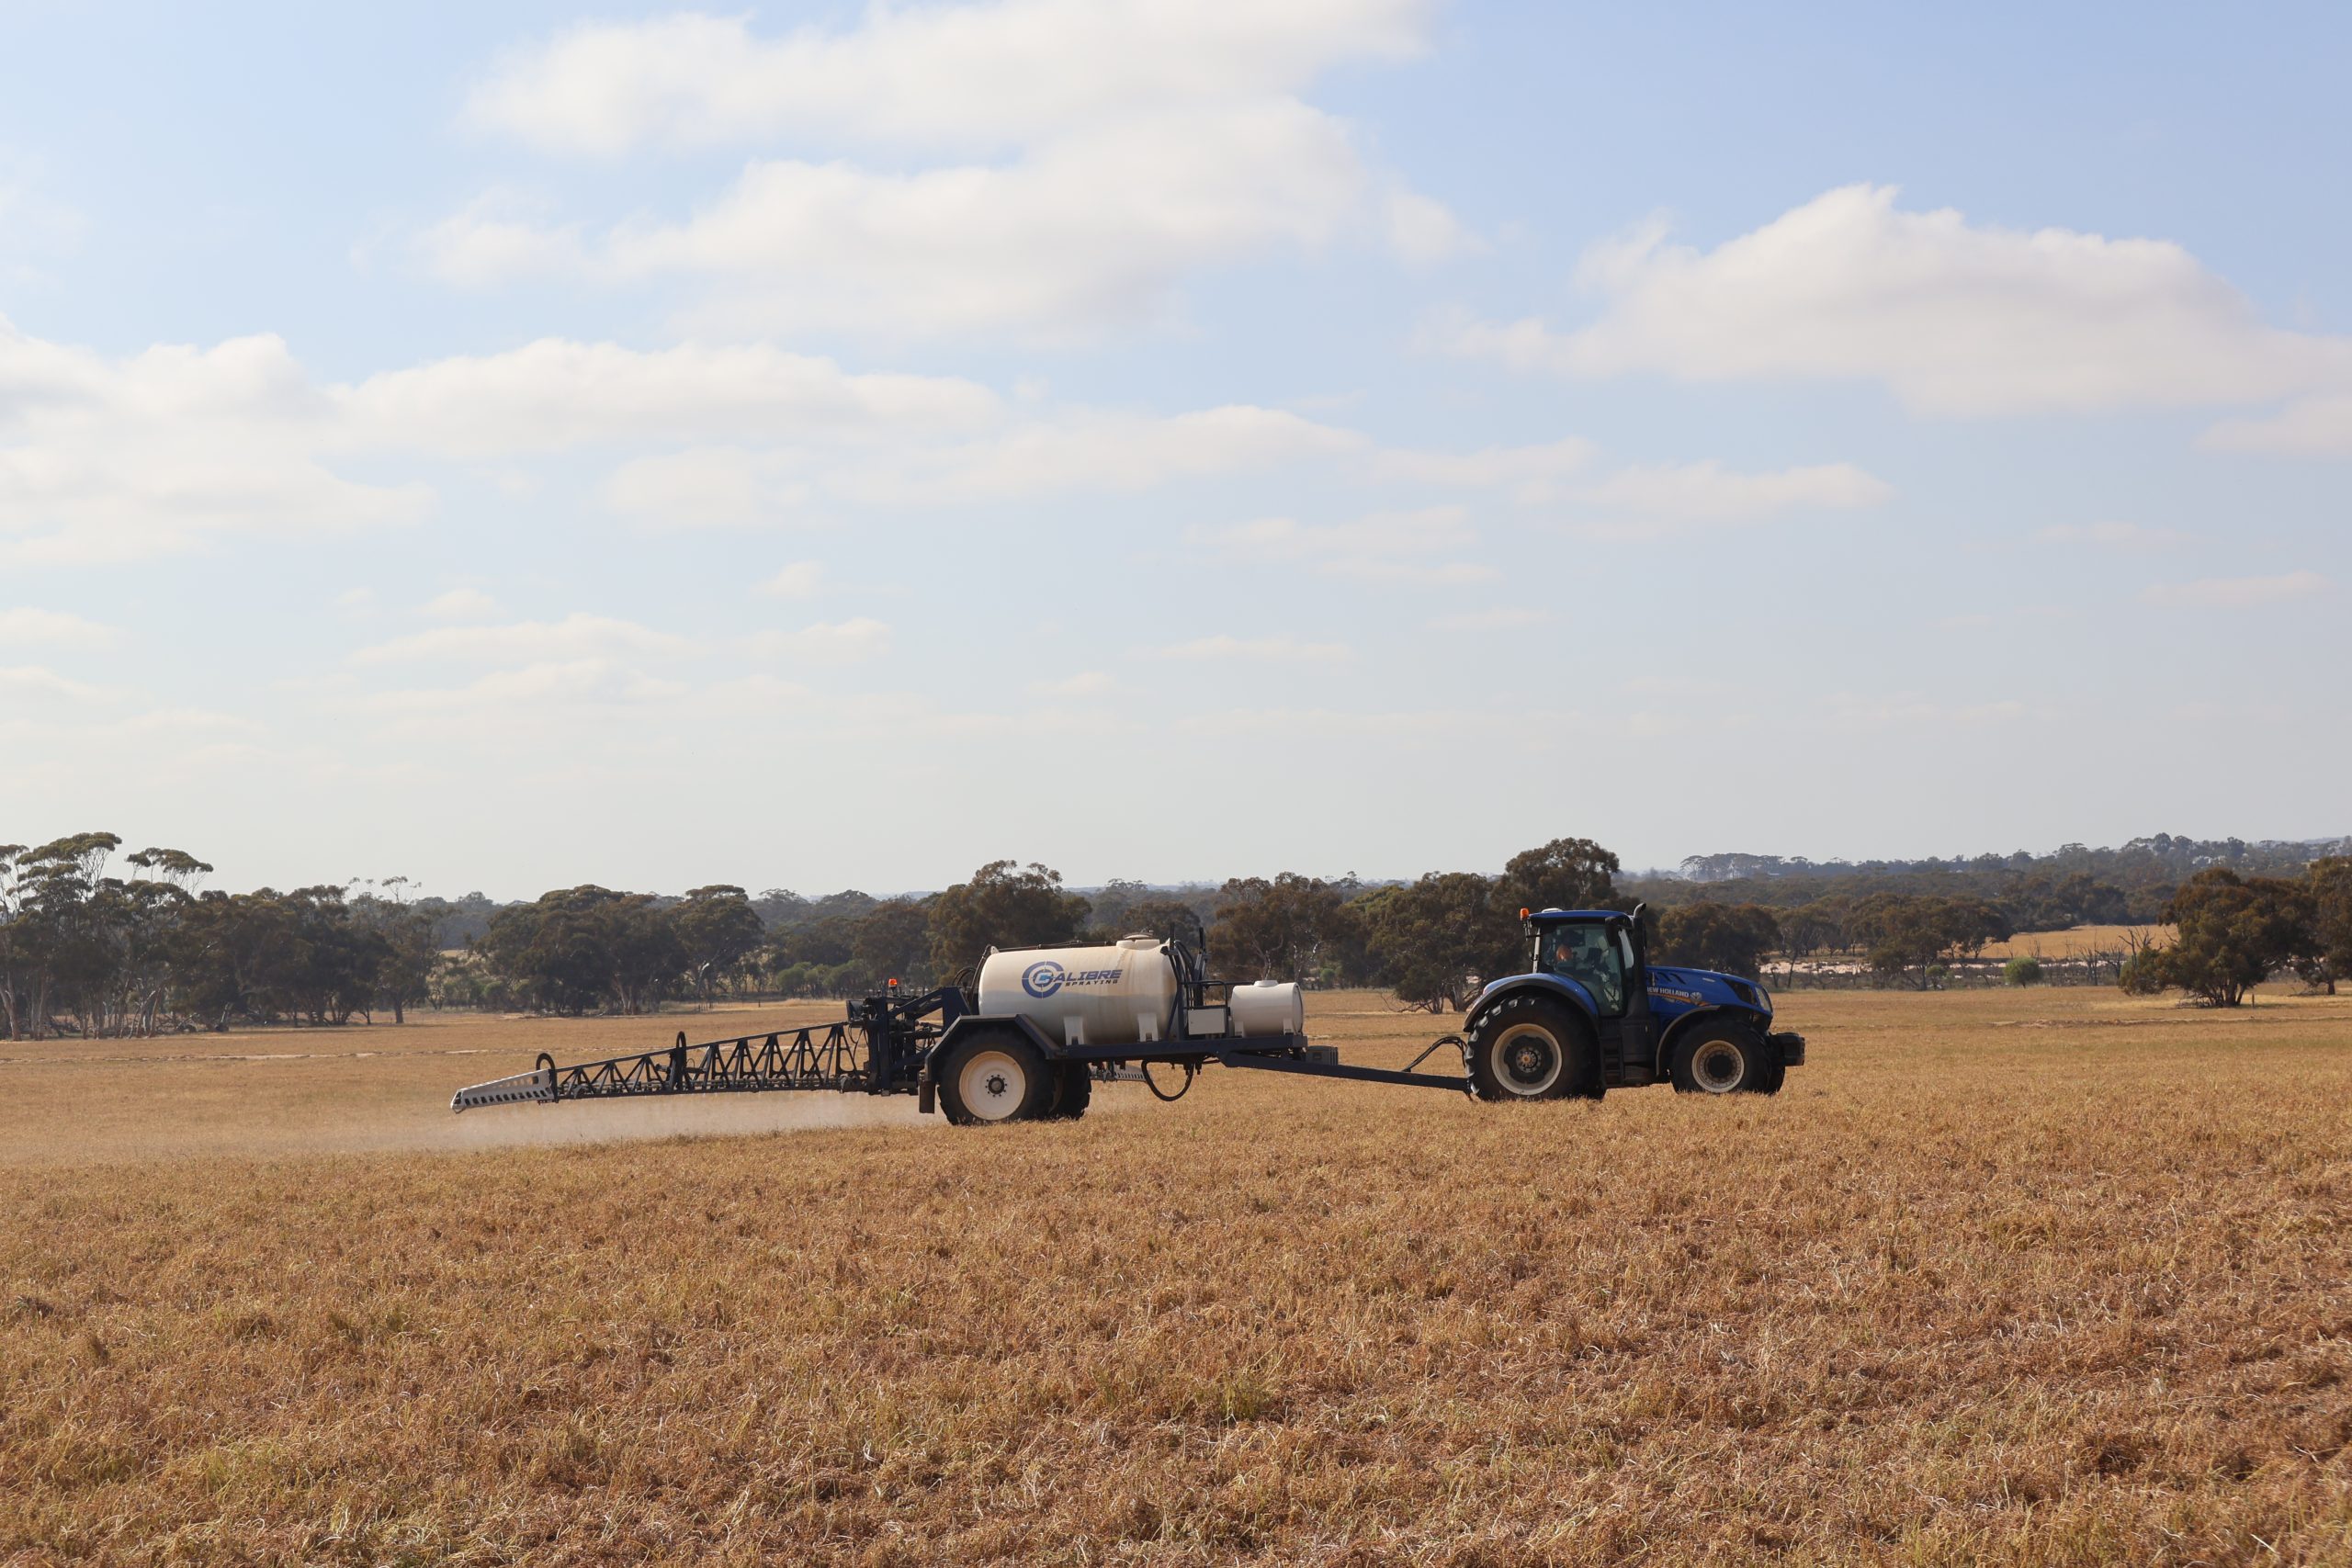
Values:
[(1592, 1014)]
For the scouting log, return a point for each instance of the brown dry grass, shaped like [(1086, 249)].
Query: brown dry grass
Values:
[(2046, 1277), (2075, 941), (362, 1090)]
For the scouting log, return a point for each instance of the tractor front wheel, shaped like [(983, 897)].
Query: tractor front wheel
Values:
[(996, 1078), (1530, 1047), (1723, 1057)]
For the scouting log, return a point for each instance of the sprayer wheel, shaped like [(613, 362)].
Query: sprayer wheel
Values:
[(996, 1077), (1076, 1083)]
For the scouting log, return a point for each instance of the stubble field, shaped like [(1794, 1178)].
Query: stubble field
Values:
[(2040, 1278), (2076, 942)]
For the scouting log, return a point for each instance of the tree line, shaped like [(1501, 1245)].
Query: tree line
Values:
[(86, 952), (590, 949), (93, 943), (2071, 886), (90, 947)]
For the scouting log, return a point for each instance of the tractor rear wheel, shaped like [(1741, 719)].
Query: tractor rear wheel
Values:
[(1530, 1047), (1074, 1092), (1719, 1057), (996, 1077)]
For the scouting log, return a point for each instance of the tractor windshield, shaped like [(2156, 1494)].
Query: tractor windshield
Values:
[(1585, 953)]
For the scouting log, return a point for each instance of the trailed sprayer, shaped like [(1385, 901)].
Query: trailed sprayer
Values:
[(1026, 1037)]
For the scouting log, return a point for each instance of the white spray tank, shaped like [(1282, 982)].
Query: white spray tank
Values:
[(1118, 995), (1269, 1006)]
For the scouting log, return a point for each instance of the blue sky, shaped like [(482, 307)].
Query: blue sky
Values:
[(825, 446)]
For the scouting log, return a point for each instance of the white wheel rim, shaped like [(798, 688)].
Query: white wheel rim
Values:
[(993, 1084), (1517, 1067), (1718, 1067)]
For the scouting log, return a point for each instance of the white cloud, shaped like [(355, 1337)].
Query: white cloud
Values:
[(181, 725), (1859, 711), (1647, 500), (1118, 452), (710, 487), (1424, 232), (2236, 592), (1641, 499), (104, 459), (1073, 237), (460, 604), (1086, 684), (168, 450), (1265, 650), (38, 680), (1142, 140), (800, 580), (1522, 724), (1955, 317), (2114, 535), (1112, 453), (1077, 450), (576, 637), (557, 393), (949, 75), (1500, 617), (825, 642), (1385, 544), (2313, 426), (1978, 620), (533, 689), (1529, 474), (497, 236), (116, 459), (52, 628)]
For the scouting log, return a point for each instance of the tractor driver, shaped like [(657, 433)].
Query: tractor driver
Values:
[(1583, 953)]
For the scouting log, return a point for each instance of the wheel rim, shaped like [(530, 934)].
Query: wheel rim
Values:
[(1527, 1059), (993, 1085), (1718, 1067)]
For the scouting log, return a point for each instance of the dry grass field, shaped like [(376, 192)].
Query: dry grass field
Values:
[(2075, 943), (2047, 1277)]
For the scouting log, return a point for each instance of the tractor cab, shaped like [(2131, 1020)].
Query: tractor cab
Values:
[(1601, 956), (1594, 948)]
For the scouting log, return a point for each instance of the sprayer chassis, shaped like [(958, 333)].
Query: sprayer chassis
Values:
[(887, 1045)]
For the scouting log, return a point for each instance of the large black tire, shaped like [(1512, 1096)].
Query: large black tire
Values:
[(1722, 1056), (1074, 1092), (1528, 1047), (997, 1077)]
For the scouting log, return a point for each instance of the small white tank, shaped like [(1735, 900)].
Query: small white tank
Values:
[(1086, 996), (1269, 1006)]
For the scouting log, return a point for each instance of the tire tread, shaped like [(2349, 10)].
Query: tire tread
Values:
[(1580, 1067)]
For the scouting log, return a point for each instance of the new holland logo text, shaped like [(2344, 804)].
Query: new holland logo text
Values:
[(1045, 976)]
